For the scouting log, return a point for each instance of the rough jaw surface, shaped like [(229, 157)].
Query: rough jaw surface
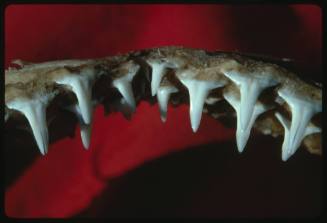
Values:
[(265, 97)]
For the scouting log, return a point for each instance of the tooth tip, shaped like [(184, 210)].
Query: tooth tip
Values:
[(86, 135), (240, 148), (195, 128), (285, 157), (163, 118)]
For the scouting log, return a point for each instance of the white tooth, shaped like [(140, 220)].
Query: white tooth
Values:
[(124, 86), (198, 91), (81, 86), (287, 148), (125, 89), (285, 123), (242, 135), (86, 135), (250, 89), (35, 112), (158, 70), (85, 129), (302, 112), (163, 98)]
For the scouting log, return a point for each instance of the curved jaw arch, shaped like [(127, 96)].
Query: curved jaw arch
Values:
[(190, 75)]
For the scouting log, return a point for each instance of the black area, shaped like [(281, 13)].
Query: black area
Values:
[(214, 181)]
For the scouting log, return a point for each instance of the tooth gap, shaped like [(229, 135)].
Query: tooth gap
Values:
[(268, 95)]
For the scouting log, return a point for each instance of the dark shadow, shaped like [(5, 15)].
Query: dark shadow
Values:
[(215, 181)]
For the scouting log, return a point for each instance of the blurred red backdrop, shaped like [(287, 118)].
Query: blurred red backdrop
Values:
[(63, 183)]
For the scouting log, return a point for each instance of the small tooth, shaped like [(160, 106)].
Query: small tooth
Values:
[(158, 70), (163, 98), (85, 135), (82, 89), (242, 135), (85, 129), (198, 91), (302, 112), (125, 89), (35, 112), (124, 86), (250, 89), (285, 124)]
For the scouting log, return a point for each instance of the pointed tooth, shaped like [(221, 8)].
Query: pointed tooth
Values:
[(250, 89), (249, 95), (158, 70), (198, 92), (242, 135), (285, 123), (85, 135), (163, 95), (85, 129), (302, 112), (289, 147), (82, 89), (125, 89), (35, 112)]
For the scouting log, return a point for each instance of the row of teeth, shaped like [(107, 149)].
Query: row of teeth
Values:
[(245, 104)]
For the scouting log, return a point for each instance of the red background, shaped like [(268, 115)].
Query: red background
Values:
[(64, 182)]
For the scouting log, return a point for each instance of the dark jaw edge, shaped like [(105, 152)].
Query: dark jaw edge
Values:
[(214, 181)]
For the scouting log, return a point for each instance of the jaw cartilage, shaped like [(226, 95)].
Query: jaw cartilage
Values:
[(177, 75)]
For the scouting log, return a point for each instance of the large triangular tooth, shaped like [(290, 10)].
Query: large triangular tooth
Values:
[(35, 112), (242, 135), (302, 111), (82, 87), (288, 147), (250, 89), (163, 96), (198, 92)]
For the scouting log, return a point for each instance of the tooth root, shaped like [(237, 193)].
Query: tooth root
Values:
[(242, 135), (35, 112), (158, 70), (125, 89), (163, 95), (198, 92), (82, 89)]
